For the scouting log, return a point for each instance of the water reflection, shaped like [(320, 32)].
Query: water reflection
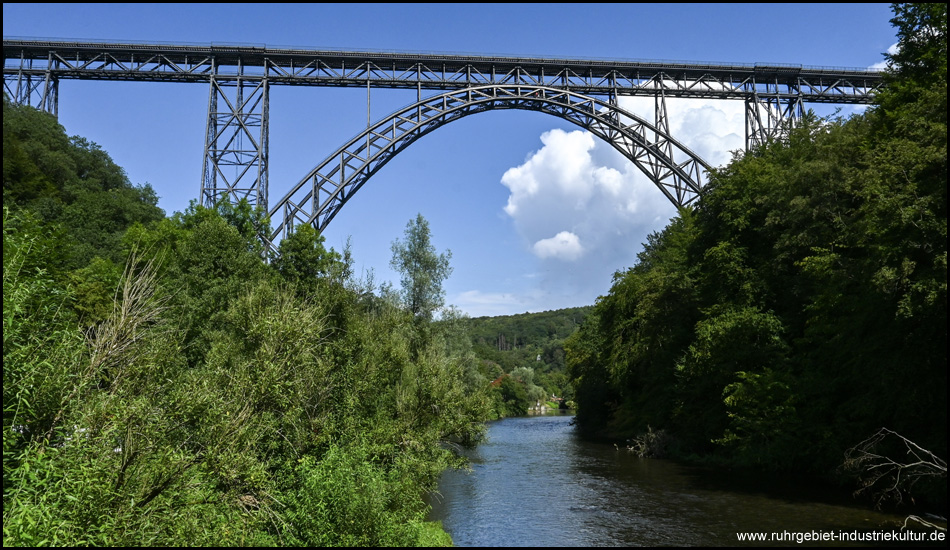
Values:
[(534, 483)]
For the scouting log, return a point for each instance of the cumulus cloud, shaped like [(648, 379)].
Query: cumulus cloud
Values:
[(562, 166), (577, 185), (565, 246), (883, 64), (584, 210)]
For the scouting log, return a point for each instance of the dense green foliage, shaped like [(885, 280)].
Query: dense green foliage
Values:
[(204, 396), (72, 184), (529, 349), (534, 332), (802, 305)]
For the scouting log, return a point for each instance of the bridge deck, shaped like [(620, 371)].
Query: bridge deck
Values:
[(296, 66)]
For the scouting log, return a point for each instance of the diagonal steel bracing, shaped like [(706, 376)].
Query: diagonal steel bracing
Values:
[(770, 116), (432, 71), (319, 196), (236, 142), (38, 89)]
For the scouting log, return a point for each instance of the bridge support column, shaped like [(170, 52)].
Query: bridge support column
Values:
[(236, 141), (38, 90), (769, 117)]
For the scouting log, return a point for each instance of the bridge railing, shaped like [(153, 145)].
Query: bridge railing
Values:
[(281, 66)]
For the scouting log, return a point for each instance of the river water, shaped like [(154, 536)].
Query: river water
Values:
[(533, 482)]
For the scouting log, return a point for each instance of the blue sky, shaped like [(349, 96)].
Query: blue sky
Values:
[(538, 214)]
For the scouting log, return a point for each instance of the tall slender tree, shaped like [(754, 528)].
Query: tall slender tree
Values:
[(422, 269)]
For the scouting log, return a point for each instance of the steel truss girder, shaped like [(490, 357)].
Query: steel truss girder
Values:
[(318, 197), (195, 63), (236, 142)]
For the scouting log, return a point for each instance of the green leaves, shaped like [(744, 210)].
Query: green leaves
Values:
[(921, 57), (422, 269), (303, 260), (206, 392), (72, 183), (804, 299)]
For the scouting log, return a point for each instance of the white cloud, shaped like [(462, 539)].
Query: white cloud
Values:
[(711, 129), (485, 304), (563, 246), (597, 204), (561, 166), (883, 64)]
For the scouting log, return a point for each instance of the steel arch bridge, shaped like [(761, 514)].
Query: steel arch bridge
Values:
[(584, 92), (319, 196)]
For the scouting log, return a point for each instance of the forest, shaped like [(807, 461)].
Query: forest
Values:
[(801, 306), (169, 381), (522, 357)]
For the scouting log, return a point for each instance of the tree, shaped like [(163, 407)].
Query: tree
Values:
[(922, 48), (70, 183), (302, 258), (422, 269)]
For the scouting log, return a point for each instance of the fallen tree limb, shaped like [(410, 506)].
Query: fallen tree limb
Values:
[(887, 478)]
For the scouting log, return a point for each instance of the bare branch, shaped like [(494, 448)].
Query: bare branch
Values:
[(923, 522), (888, 478)]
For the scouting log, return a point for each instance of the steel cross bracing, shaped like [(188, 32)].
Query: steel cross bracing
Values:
[(235, 156), (36, 88), (317, 198), (186, 63)]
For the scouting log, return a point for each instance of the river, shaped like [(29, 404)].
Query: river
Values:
[(534, 482)]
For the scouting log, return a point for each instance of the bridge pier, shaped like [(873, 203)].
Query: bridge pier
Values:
[(236, 141), (772, 108), (770, 117), (39, 90)]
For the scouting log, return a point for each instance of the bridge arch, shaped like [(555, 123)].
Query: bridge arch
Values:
[(678, 172)]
